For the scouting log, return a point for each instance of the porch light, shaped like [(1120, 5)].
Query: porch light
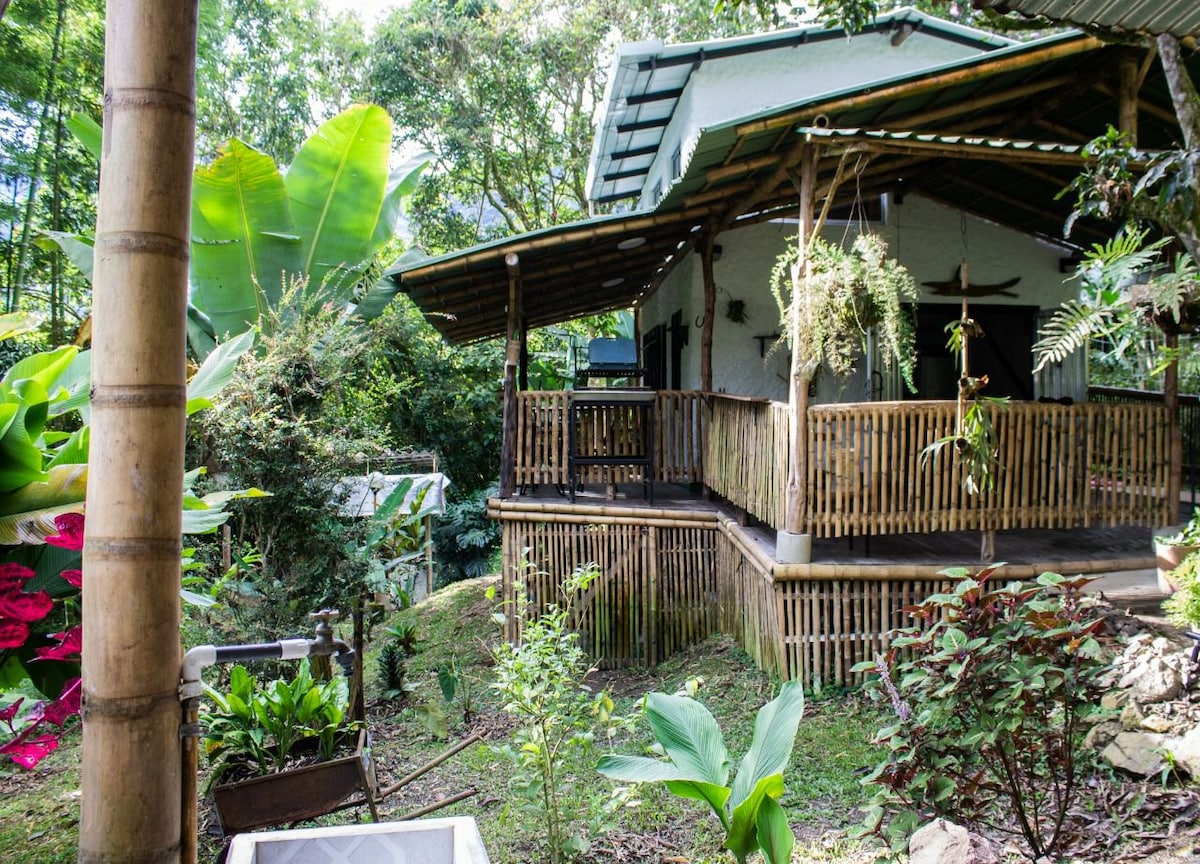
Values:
[(612, 283), (631, 243)]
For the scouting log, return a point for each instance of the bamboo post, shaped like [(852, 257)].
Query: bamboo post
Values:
[(710, 306), (512, 358), (131, 803), (1127, 99), (796, 511)]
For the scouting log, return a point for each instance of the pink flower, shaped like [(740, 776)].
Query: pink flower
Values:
[(28, 753), (67, 703), (70, 531), (73, 577), (69, 645)]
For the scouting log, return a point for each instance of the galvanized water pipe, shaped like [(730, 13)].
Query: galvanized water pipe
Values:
[(323, 644)]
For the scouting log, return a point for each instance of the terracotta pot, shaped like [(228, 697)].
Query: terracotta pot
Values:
[(1169, 556)]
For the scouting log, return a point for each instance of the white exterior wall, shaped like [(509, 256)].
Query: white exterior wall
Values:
[(745, 84), (925, 236)]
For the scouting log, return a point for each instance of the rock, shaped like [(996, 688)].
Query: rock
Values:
[(1157, 681), (1186, 751), (1135, 753), (1114, 699), (1132, 716), (1157, 723), (942, 842), (1102, 734)]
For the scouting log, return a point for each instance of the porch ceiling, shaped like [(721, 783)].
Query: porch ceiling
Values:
[(1181, 18), (1059, 89)]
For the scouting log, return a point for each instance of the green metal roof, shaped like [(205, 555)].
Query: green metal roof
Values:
[(1180, 18), (1058, 92)]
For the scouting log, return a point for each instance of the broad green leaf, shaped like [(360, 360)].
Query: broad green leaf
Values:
[(715, 796), (243, 240), (87, 132), (196, 599), (216, 500), (15, 323), (20, 455), (372, 303), (44, 367), (27, 514), (775, 835), (216, 371), (402, 182), (80, 249), (203, 521), (742, 838), (75, 385), (336, 186), (638, 769), (771, 748), (74, 451), (690, 737)]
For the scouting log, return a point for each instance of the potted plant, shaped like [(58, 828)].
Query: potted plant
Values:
[(1171, 546), (1183, 606), (283, 751)]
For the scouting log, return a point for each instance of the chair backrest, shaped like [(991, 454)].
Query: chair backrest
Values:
[(610, 353)]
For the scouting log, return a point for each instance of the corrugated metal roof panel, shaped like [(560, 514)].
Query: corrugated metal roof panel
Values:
[(1180, 18)]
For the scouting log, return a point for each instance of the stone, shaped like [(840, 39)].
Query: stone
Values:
[(1157, 723), (1132, 716), (1136, 753), (1186, 751), (1114, 699), (942, 842), (1102, 734), (1156, 681)]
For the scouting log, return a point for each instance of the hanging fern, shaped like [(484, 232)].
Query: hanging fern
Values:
[(846, 294)]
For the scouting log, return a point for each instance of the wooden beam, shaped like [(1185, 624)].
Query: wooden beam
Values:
[(710, 307), (1127, 98)]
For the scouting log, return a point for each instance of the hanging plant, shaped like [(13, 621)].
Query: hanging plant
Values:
[(845, 294), (735, 311)]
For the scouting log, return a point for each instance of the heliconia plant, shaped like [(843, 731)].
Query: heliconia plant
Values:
[(698, 768)]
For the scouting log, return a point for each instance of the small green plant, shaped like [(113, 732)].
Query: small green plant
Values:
[(256, 729), (699, 768), (1188, 535), (454, 680), (541, 683), (1183, 607), (991, 700), (464, 538)]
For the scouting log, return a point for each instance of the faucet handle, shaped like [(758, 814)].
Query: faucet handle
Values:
[(325, 616), (324, 619)]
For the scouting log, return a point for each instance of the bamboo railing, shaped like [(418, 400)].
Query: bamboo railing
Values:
[(1059, 466), (746, 458), (541, 439)]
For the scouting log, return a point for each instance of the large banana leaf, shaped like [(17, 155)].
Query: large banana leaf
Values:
[(402, 182), (27, 514), (243, 242), (337, 185), (771, 748)]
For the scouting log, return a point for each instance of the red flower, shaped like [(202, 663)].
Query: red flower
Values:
[(22, 606), (13, 577), (70, 531), (68, 648), (13, 633), (73, 577), (67, 703), (7, 714), (28, 753)]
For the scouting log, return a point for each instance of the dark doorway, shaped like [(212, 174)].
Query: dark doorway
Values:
[(1003, 354), (654, 357)]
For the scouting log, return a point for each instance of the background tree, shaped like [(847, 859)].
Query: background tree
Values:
[(269, 71), (505, 95), (51, 54)]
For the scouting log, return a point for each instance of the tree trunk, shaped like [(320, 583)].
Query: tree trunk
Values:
[(131, 713), (51, 97)]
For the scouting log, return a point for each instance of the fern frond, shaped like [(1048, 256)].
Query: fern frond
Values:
[(1069, 329)]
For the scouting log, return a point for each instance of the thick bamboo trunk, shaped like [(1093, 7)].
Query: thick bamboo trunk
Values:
[(131, 713), (512, 359), (710, 310)]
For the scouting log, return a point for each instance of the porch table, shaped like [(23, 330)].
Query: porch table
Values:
[(606, 406)]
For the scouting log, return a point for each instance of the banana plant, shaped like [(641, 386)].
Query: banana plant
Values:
[(258, 231), (698, 768)]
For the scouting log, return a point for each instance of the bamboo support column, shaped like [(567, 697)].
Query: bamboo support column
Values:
[(796, 511), (710, 308), (512, 358), (131, 775)]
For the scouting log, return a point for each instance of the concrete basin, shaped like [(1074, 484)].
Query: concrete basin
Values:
[(453, 840)]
